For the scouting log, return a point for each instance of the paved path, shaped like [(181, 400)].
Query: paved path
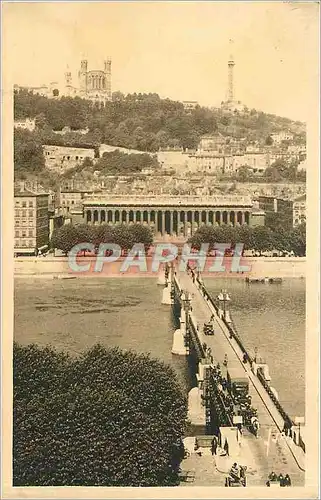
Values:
[(270, 451)]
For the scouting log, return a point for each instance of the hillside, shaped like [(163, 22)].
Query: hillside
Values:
[(144, 121)]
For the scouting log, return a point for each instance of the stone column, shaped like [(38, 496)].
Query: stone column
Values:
[(228, 217), (127, 216), (171, 222), (134, 216), (221, 217), (192, 222), (207, 217), (148, 217), (163, 222), (243, 218), (185, 224)]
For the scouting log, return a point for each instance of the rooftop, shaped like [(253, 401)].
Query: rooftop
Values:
[(150, 200)]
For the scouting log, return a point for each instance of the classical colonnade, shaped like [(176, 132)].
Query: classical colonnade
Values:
[(167, 221)]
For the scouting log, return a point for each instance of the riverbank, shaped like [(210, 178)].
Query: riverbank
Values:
[(50, 267)]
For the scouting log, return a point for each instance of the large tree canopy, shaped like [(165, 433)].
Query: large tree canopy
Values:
[(106, 418), (260, 238), (66, 237)]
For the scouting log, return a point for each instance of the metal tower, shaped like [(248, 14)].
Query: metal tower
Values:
[(107, 70), (230, 90)]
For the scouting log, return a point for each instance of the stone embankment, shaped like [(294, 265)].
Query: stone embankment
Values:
[(285, 267)]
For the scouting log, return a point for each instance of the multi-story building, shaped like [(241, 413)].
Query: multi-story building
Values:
[(31, 221), (299, 210), (190, 105), (214, 143), (282, 136), (72, 200), (26, 124), (273, 204), (294, 208), (62, 158), (214, 163)]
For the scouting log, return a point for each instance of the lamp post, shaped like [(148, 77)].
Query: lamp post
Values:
[(299, 421), (186, 299), (223, 297)]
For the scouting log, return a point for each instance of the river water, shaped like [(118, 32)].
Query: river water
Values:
[(76, 314)]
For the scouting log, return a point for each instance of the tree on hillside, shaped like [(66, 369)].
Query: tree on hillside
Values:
[(105, 418), (28, 153), (243, 173)]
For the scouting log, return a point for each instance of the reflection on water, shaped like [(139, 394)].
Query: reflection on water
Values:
[(75, 314), (271, 317)]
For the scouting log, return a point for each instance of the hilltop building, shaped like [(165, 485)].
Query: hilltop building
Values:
[(94, 85), (190, 105), (27, 124)]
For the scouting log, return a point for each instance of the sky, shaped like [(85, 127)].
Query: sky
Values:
[(176, 49)]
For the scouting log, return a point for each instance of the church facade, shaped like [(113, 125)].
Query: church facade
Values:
[(94, 85)]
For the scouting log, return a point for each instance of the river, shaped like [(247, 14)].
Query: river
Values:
[(76, 314)]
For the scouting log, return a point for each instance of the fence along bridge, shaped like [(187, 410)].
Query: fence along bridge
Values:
[(208, 411)]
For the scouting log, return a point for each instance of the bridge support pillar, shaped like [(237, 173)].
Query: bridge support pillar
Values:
[(167, 299), (196, 411), (179, 346)]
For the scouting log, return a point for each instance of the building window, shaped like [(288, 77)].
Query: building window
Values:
[(30, 213), (17, 203), (30, 233), (24, 233), (24, 204), (16, 233), (30, 243), (30, 204)]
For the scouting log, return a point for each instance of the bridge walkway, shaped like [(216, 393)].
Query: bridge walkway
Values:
[(270, 451)]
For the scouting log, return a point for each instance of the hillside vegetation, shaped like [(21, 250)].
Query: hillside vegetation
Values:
[(144, 121)]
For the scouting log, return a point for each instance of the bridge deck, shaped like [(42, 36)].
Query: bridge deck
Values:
[(270, 451)]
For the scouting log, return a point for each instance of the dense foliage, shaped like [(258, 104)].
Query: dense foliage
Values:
[(28, 154), (69, 235), (145, 121), (260, 238), (117, 162), (105, 418)]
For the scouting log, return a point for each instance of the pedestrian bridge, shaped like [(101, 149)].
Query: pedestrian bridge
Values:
[(211, 409)]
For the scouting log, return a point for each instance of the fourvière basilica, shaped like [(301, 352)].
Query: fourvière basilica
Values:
[(94, 85)]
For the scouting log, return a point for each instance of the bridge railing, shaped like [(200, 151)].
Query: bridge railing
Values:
[(276, 402), (239, 342)]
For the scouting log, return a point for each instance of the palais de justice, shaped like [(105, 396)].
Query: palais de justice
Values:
[(173, 216)]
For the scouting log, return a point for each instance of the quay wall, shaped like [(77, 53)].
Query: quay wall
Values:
[(284, 267)]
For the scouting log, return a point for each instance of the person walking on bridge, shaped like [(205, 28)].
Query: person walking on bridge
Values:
[(225, 360)]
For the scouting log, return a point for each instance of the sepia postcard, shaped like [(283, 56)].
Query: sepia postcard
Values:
[(160, 249)]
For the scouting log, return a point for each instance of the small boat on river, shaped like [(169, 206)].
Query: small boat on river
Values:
[(263, 280)]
